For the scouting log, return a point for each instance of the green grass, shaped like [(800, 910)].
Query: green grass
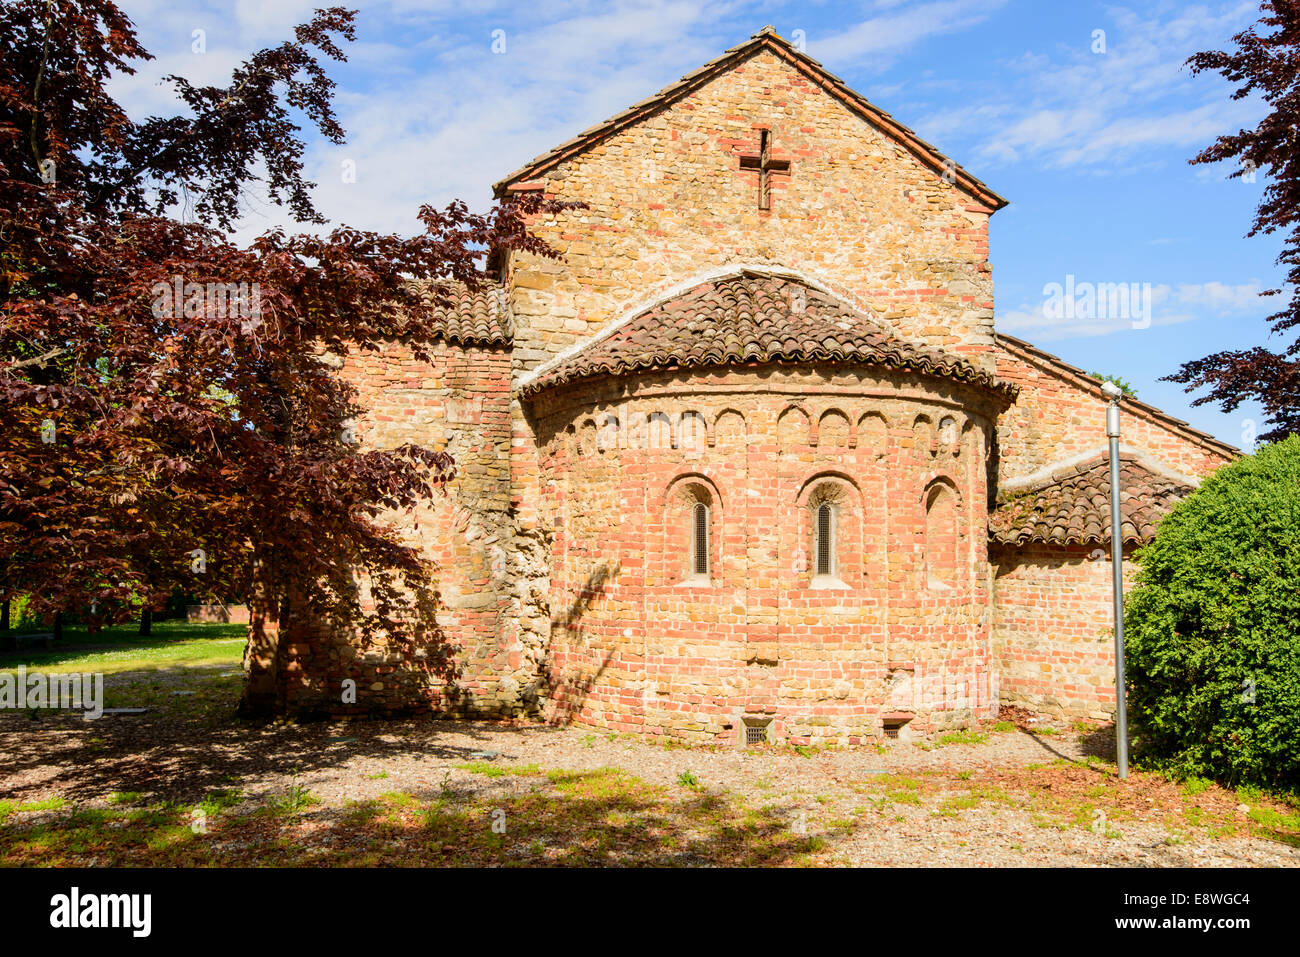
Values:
[(1002, 727), (903, 797), (173, 643), (491, 769), (296, 799), (963, 737)]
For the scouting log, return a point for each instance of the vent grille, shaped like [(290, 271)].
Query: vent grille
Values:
[(824, 525), (701, 558), (891, 730), (755, 734)]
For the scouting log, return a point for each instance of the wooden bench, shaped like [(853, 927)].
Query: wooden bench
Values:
[(43, 640)]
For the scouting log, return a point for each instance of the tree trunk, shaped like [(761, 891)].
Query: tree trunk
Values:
[(58, 626), (146, 621), (4, 615)]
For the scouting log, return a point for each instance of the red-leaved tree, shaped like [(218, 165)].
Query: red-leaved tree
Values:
[(166, 419), (1266, 62)]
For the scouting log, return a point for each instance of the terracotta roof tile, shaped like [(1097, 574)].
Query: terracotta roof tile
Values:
[(464, 316), (1072, 505), (755, 318)]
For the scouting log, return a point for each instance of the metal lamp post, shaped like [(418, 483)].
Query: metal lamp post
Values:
[(1114, 393)]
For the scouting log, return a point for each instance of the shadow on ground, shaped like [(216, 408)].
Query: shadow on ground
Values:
[(189, 742)]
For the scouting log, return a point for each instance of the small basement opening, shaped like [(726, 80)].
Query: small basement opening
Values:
[(894, 723), (757, 730)]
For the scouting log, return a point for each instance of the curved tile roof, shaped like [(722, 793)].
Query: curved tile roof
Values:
[(754, 318), (1072, 505), (468, 316)]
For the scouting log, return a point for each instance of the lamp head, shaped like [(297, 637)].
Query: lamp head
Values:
[(1112, 391)]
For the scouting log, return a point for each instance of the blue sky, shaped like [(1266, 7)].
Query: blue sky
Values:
[(1090, 147)]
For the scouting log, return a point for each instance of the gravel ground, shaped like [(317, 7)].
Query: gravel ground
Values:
[(1018, 797)]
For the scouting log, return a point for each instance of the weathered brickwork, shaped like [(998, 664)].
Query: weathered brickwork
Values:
[(666, 201), (1053, 626), (902, 627), (460, 402), (1061, 415), (657, 433), (1053, 629)]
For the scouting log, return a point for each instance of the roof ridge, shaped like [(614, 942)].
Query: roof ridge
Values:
[(748, 325), (1146, 408), (1084, 462), (769, 38)]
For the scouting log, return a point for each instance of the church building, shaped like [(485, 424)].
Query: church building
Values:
[(750, 461)]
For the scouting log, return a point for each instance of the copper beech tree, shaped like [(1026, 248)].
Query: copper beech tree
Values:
[(1266, 62), (168, 422)]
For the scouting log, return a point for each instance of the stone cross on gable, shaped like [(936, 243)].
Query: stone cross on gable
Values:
[(766, 167)]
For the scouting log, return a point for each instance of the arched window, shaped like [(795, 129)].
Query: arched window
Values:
[(941, 537), (824, 540), (700, 540)]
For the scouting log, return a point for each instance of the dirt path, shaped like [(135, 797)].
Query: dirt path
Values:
[(1015, 797)]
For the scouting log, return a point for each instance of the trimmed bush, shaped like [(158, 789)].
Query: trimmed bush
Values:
[(1213, 628)]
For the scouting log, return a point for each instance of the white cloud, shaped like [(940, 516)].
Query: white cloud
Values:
[(1070, 107), (896, 31), (1168, 305)]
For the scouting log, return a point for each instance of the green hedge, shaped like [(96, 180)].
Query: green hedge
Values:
[(1213, 628)]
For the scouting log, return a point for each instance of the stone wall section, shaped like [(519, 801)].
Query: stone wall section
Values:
[(666, 201), (1054, 621), (1061, 414), (640, 645)]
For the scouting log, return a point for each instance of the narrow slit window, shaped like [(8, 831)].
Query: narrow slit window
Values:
[(700, 540), (825, 544)]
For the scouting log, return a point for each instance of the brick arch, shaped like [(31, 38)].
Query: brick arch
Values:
[(923, 435), (725, 429), (586, 437), (835, 429), (842, 492), (873, 431), (659, 431), (793, 427), (692, 430), (673, 545), (941, 503), (947, 433), (609, 430), (809, 484)]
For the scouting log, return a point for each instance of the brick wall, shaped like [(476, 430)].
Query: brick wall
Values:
[(1061, 414), (1054, 637), (638, 645), (1053, 629), (666, 200), (460, 402)]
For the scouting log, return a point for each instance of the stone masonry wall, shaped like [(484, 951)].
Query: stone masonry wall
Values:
[(459, 403), (1053, 627), (1058, 415), (666, 200), (1053, 630), (638, 645)]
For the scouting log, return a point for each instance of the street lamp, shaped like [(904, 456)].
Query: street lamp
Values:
[(1114, 393)]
